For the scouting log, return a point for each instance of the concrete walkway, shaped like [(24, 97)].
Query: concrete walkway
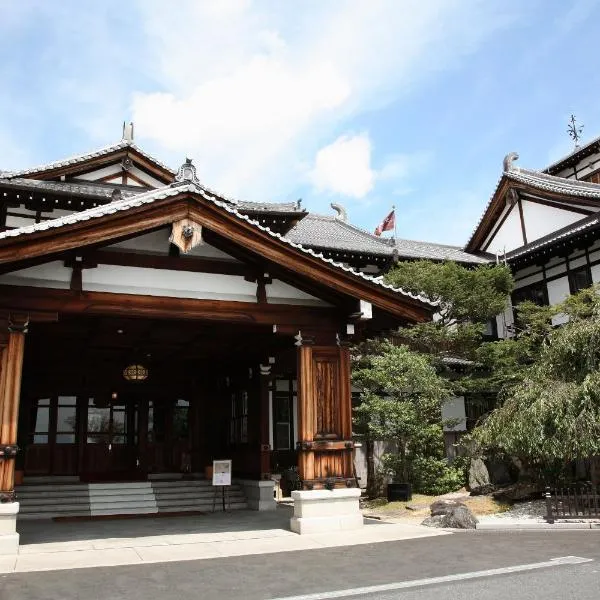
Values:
[(49, 545)]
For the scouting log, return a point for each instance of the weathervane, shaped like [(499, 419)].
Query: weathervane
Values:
[(574, 130)]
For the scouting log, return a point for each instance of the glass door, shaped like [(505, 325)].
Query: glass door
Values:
[(111, 439)]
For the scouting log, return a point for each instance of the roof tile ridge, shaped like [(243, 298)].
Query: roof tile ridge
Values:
[(353, 227), (68, 159), (572, 153)]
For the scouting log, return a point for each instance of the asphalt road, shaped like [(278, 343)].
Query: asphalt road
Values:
[(293, 574)]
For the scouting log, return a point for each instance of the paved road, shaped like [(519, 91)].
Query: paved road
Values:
[(265, 577)]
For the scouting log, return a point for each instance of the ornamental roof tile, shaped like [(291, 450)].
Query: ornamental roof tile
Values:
[(173, 190)]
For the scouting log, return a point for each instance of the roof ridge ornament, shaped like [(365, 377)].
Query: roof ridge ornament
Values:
[(574, 130), (187, 173), (341, 215), (127, 131), (508, 161)]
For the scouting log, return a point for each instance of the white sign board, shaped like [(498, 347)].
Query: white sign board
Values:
[(453, 412), (221, 472)]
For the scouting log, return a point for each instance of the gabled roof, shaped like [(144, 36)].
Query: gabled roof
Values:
[(328, 232), (574, 157), (543, 185), (179, 189), (80, 159)]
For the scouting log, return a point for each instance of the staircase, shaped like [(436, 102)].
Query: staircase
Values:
[(49, 500)]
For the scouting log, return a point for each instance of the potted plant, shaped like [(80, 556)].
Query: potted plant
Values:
[(399, 488)]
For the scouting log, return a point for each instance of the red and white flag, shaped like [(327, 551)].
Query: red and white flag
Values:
[(387, 224)]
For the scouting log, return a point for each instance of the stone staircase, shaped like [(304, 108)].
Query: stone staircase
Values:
[(48, 500)]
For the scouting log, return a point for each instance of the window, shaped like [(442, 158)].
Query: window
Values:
[(156, 422), (536, 293), (238, 428), (66, 419), (283, 413), (579, 279), (40, 421), (181, 419)]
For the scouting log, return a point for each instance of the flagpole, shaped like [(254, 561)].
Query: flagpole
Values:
[(394, 211)]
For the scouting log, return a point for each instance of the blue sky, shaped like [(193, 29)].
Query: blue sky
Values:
[(366, 103)]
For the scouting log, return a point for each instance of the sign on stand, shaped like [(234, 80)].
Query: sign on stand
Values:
[(221, 478)]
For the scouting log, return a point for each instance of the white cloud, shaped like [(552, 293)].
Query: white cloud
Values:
[(344, 167), (252, 90)]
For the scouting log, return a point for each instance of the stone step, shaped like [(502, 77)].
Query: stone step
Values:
[(234, 506)]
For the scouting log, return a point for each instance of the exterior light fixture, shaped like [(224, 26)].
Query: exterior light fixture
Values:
[(135, 373)]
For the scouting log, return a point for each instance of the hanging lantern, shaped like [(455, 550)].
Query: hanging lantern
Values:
[(135, 373)]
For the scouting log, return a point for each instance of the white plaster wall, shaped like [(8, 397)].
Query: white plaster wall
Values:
[(541, 220), (529, 280), (577, 262), (558, 290), (279, 292), (95, 175), (509, 236), (556, 270), (52, 275), (171, 284), (19, 221), (155, 183), (504, 321)]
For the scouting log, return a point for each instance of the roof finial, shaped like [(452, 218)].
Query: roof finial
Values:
[(342, 215), (509, 159), (187, 173), (574, 130), (128, 131)]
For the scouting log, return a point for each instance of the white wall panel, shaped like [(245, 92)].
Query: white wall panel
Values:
[(509, 236), (540, 220), (596, 273), (558, 290), (19, 221), (155, 183), (529, 280), (279, 292), (171, 284), (52, 275), (99, 173)]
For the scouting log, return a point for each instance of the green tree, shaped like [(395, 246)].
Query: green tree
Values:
[(466, 298), (550, 415)]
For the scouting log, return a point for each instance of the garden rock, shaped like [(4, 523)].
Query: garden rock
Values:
[(498, 472), (478, 475), (518, 491), (450, 514)]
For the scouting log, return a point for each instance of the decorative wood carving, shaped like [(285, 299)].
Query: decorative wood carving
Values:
[(186, 234), (324, 417)]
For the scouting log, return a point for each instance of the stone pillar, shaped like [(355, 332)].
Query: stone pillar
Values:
[(329, 497), (10, 390)]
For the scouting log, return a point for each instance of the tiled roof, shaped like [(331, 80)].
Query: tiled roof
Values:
[(582, 152), (544, 183), (173, 190), (328, 232), (81, 190), (321, 231), (74, 160), (565, 233), (429, 251), (272, 207), (551, 183)]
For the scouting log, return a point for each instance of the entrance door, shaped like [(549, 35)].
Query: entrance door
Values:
[(111, 440)]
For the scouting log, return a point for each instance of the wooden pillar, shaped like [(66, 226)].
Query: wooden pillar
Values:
[(10, 391), (265, 401), (325, 446)]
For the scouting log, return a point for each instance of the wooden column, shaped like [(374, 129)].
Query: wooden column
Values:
[(325, 447), (265, 400), (10, 391)]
